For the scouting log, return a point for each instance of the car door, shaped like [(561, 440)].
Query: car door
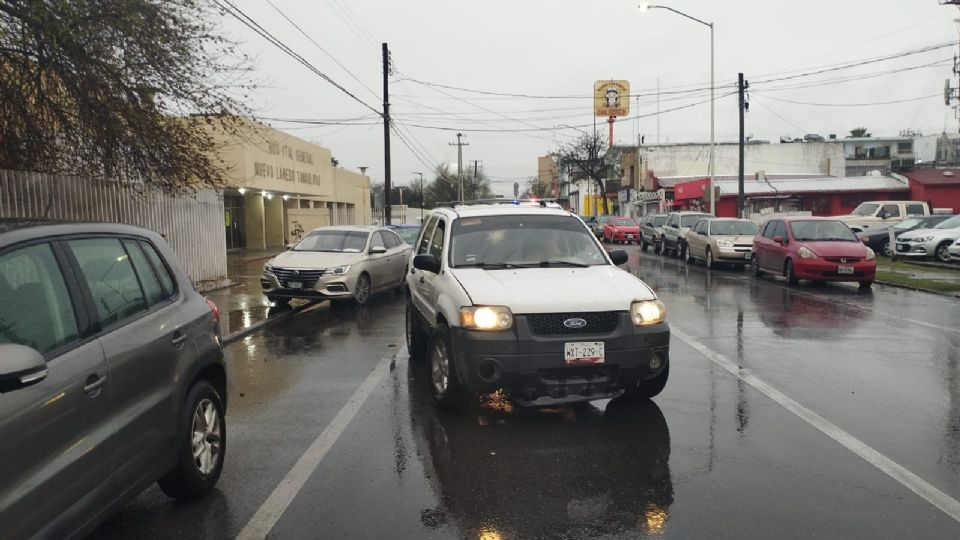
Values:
[(378, 263), (778, 251), (417, 281), (145, 332), (397, 250), (892, 214), (696, 239), (670, 230), (58, 448), (763, 243), (428, 280)]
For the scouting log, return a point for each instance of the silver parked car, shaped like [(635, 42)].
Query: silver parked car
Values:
[(338, 263), (112, 377)]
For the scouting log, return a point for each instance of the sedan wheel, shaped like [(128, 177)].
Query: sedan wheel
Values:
[(361, 292), (708, 260), (755, 267), (791, 273), (943, 253), (886, 248)]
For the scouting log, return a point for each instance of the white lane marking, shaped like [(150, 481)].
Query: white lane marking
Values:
[(270, 511), (914, 483)]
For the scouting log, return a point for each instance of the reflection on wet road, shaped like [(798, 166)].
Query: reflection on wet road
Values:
[(711, 457)]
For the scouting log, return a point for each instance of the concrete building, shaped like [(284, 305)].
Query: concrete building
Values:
[(668, 160), (866, 154), (548, 172), (282, 186), (940, 188), (937, 150)]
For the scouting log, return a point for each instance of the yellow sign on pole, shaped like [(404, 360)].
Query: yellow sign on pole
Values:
[(611, 98)]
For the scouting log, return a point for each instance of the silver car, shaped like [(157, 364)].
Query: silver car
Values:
[(338, 263), (933, 242)]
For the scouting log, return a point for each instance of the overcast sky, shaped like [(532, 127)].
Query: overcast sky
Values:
[(560, 47)]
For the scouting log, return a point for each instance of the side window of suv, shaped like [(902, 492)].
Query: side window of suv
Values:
[(891, 210), (148, 278), (163, 271), (36, 310), (424, 245), (106, 267), (915, 210), (671, 221), (436, 244)]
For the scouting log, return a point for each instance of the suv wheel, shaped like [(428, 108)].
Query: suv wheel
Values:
[(202, 442), (643, 244), (658, 247), (681, 250), (790, 273), (649, 388), (445, 387), (416, 340), (755, 266), (942, 253)]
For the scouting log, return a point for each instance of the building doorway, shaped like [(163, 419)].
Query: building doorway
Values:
[(233, 220)]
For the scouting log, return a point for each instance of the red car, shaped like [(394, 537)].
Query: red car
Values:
[(818, 249), (620, 229)]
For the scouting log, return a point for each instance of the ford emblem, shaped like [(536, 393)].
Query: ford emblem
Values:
[(575, 323)]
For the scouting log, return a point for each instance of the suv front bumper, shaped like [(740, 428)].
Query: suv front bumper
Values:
[(532, 368)]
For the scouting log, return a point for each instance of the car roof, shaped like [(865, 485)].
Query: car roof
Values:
[(479, 210), (16, 231), (807, 218)]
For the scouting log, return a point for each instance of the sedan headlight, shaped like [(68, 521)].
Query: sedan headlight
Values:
[(871, 255), (724, 243), (337, 270), (923, 239), (805, 253), (486, 318), (648, 312)]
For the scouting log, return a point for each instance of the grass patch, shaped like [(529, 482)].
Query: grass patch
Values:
[(932, 284)]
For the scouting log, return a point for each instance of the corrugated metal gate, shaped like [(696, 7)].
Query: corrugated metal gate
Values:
[(192, 224)]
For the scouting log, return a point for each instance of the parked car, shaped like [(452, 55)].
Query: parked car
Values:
[(337, 263), (883, 214), (597, 225), (879, 239), (621, 230), (935, 242), (408, 233), (675, 229), (112, 377), (954, 252), (651, 231), (525, 299), (721, 240), (818, 249)]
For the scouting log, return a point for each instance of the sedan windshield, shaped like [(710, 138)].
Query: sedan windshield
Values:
[(335, 241), (866, 209), (733, 228), (822, 231), (690, 220), (952, 223), (495, 242)]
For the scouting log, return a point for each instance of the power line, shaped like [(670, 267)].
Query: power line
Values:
[(775, 113), (908, 100), (324, 51), (255, 26), (352, 25)]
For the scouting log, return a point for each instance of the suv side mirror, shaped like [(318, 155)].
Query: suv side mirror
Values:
[(427, 263), (778, 239), (618, 256), (20, 366), (378, 250)]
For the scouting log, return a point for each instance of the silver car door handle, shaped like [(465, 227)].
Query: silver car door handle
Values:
[(94, 386)]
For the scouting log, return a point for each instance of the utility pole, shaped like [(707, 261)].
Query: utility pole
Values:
[(474, 194), (422, 202), (401, 195), (742, 86), (386, 132), (658, 110), (460, 146)]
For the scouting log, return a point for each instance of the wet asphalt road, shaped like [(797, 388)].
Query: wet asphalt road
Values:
[(711, 457)]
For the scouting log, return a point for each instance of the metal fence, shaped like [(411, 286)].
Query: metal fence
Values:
[(192, 224)]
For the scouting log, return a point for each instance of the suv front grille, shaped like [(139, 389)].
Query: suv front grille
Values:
[(551, 324), (308, 277)]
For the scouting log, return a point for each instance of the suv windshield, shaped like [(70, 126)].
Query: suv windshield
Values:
[(733, 228), (523, 241), (951, 223), (865, 209), (822, 231), (689, 220), (659, 221), (336, 241)]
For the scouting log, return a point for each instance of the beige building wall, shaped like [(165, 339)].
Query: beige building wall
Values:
[(548, 172), (253, 212)]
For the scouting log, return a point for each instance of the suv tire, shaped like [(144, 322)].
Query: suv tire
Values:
[(649, 388), (202, 429), (658, 247), (416, 338), (445, 387), (643, 244)]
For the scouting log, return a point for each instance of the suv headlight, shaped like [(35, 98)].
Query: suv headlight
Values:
[(268, 268), (805, 253), (486, 318), (648, 312), (724, 243), (871, 255), (337, 270)]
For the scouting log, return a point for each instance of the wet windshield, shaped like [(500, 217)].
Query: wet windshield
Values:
[(951, 223), (335, 241), (523, 241), (866, 209), (623, 222), (822, 231), (733, 228), (908, 223), (690, 220)]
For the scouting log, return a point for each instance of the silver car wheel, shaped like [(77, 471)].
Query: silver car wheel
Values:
[(362, 290), (439, 367), (206, 437)]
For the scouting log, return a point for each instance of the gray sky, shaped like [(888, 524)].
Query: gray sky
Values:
[(560, 47)]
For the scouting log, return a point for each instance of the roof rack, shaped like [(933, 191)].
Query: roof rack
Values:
[(502, 200)]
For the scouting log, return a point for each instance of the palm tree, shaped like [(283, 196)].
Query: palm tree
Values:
[(860, 132)]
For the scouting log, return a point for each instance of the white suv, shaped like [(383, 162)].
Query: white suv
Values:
[(524, 298)]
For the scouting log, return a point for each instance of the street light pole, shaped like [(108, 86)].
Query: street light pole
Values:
[(644, 6)]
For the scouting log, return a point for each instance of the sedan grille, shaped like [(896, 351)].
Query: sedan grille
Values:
[(308, 277), (552, 324), (842, 260)]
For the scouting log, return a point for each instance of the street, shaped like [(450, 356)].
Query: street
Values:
[(791, 412)]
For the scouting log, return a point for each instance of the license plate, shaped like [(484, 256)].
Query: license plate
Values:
[(583, 352), (902, 247), (294, 285), (630, 237), (845, 270)]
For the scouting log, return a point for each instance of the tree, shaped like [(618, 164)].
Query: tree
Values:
[(538, 188), (860, 132), (446, 188), (130, 90), (411, 195), (587, 154)]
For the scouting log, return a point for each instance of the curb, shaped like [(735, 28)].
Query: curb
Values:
[(230, 338), (944, 266), (918, 289)]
